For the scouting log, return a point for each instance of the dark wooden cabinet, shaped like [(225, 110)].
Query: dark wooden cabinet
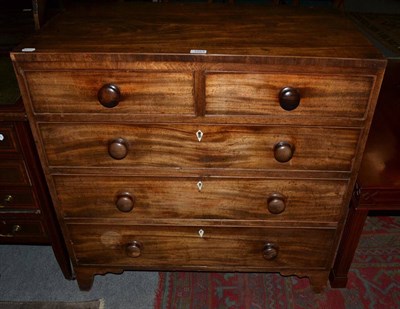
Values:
[(27, 215), (26, 212), (198, 137)]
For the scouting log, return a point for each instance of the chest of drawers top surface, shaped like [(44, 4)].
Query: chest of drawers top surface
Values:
[(177, 29), (155, 154)]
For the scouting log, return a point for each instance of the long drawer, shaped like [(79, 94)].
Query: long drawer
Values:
[(203, 247), (13, 172), (239, 93), (133, 92), (200, 146), (141, 198)]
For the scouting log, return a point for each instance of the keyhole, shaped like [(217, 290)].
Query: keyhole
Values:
[(199, 135), (1, 137), (200, 185), (201, 233)]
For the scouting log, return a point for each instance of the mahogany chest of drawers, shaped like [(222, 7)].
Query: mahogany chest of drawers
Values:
[(200, 137)]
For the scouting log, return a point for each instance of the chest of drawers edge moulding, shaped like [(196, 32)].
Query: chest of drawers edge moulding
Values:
[(162, 102)]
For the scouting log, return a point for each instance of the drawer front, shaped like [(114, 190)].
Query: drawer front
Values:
[(140, 198), (139, 92), (207, 247), (20, 198), (8, 138), (258, 94), (179, 147), (13, 172), (18, 228)]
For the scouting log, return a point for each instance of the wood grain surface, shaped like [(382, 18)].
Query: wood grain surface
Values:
[(169, 28), (141, 92), (176, 146), (164, 246), (225, 199), (257, 94)]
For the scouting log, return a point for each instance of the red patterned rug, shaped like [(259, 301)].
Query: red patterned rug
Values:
[(374, 281)]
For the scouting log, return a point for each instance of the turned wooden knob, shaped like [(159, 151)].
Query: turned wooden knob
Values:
[(276, 203), (283, 151), (289, 98), (134, 249), (109, 95), (270, 251), (118, 148), (125, 201)]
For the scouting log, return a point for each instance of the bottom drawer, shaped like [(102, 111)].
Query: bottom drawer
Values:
[(19, 228), (213, 248)]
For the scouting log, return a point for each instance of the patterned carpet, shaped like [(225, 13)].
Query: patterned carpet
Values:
[(374, 281)]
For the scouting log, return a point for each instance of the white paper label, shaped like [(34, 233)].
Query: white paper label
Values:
[(198, 51), (28, 49)]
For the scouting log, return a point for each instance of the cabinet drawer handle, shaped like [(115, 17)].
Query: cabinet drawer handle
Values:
[(270, 251), (125, 201), (134, 249), (14, 230), (276, 203), (6, 201), (283, 152), (118, 148), (109, 95), (289, 98)]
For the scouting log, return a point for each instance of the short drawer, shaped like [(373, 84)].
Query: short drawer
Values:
[(261, 94), (17, 198), (8, 138), (19, 228), (202, 146), (139, 198), (207, 247), (132, 92), (13, 172)]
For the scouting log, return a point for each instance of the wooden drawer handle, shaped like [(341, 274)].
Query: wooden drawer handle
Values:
[(109, 95), (289, 98), (283, 151), (134, 249), (118, 148), (125, 201), (276, 203), (270, 251)]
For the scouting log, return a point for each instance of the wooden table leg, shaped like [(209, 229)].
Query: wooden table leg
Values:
[(348, 244)]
